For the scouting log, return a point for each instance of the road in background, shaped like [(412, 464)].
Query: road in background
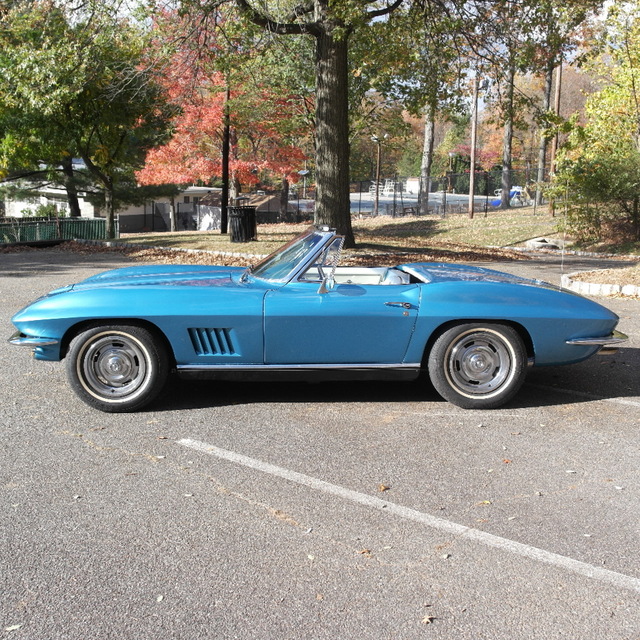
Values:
[(403, 203)]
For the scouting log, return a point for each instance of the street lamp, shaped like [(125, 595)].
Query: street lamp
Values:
[(304, 173), (452, 155), (378, 142)]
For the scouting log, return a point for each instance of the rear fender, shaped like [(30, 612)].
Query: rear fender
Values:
[(445, 326)]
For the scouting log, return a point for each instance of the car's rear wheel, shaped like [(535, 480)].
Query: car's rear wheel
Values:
[(117, 368), (478, 365)]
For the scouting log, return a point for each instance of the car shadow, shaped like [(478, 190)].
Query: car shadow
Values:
[(603, 377)]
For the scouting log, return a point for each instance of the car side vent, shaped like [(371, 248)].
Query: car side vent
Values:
[(212, 342)]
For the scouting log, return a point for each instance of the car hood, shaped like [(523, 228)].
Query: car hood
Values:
[(162, 276), (441, 272)]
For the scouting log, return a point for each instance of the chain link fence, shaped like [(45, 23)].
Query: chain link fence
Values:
[(448, 194)]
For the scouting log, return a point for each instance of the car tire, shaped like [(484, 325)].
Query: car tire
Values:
[(117, 368), (478, 365)]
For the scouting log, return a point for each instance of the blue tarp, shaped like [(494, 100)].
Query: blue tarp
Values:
[(512, 193)]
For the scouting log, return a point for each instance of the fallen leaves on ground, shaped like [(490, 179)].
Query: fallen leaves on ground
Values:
[(630, 275), (363, 255)]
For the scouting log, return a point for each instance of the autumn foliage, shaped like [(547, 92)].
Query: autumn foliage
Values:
[(265, 142)]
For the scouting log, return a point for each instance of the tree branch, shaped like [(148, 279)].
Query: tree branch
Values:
[(383, 12), (21, 175), (302, 9), (273, 26)]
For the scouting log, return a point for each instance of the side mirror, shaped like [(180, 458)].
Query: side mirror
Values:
[(326, 285), (330, 262)]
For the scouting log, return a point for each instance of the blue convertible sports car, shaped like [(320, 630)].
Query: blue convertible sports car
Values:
[(298, 315)]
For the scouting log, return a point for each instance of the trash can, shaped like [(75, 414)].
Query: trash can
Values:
[(243, 224)]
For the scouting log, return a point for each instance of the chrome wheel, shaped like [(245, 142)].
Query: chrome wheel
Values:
[(479, 362), (478, 366), (114, 365), (117, 368)]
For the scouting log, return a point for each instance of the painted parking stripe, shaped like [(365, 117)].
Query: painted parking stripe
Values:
[(503, 544), (583, 394)]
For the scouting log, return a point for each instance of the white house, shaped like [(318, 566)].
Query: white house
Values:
[(46, 196), (151, 216), (58, 197)]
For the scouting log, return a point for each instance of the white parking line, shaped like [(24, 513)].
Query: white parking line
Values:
[(540, 555), (584, 394)]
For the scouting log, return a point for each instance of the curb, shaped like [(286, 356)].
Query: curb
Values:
[(593, 289), (567, 280)]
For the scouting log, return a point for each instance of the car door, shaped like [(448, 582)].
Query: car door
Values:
[(349, 324)]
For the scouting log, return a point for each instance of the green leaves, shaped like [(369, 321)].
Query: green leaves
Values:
[(601, 162), (76, 84)]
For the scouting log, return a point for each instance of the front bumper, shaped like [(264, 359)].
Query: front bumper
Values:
[(21, 340)]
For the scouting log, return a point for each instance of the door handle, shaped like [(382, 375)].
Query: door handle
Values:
[(404, 305)]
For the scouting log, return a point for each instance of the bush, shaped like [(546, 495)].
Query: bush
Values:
[(43, 211)]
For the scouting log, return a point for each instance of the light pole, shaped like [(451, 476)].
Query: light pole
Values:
[(378, 142), (304, 173), (452, 155), (477, 86)]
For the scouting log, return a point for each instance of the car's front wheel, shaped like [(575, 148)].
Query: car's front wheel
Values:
[(117, 368), (478, 365)]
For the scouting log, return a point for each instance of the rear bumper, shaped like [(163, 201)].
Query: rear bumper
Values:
[(614, 339)]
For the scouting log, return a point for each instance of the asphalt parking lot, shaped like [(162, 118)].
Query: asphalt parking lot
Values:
[(368, 511)]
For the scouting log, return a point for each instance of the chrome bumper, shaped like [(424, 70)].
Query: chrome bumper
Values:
[(29, 341), (615, 338)]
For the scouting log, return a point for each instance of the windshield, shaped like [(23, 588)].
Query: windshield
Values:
[(279, 266)]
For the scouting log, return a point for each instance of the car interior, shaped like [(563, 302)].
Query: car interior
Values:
[(360, 275)]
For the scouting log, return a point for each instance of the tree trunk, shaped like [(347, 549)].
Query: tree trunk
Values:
[(554, 140), (235, 188), (172, 214), (109, 209), (107, 182), (332, 134), (70, 187), (544, 140), (507, 142), (331, 34), (284, 199), (427, 160)]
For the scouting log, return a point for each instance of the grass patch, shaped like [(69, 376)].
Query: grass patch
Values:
[(380, 234), (456, 237), (271, 236), (497, 229)]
